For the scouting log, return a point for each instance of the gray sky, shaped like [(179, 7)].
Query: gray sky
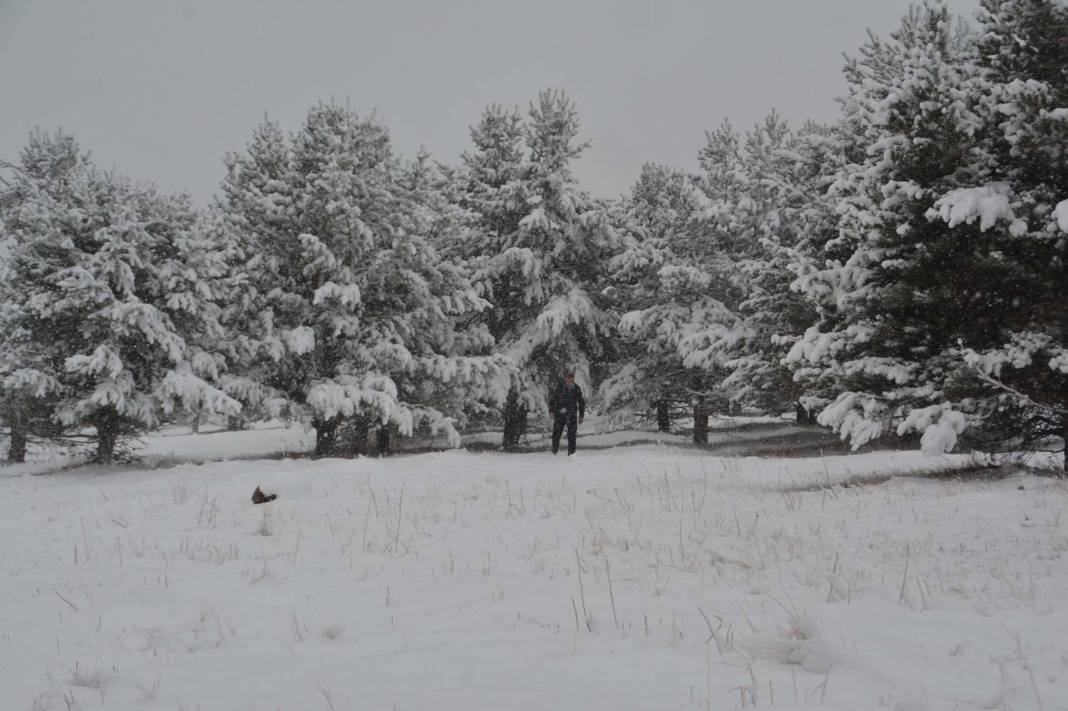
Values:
[(160, 89)]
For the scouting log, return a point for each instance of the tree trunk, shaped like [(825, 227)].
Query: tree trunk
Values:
[(325, 436), (1064, 436), (663, 417), (352, 437), (195, 424), (382, 444), (107, 435), (804, 416), (515, 422), (700, 423), (16, 450)]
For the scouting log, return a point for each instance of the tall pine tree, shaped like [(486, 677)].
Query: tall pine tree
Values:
[(110, 306), (348, 310), (941, 300), (651, 380), (539, 245)]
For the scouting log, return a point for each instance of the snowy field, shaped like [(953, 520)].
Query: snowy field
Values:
[(644, 577)]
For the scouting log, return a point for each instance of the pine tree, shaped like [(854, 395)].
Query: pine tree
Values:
[(942, 298), (887, 324), (110, 296), (784, 216), (721, 239), (710, 273), (1022, 204), (739, 188), (254, 209), (688, 326), (349, 311), (28, 390), (539, 246), (651, 379)]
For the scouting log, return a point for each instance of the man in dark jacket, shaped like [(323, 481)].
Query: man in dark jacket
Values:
[(566, 407)]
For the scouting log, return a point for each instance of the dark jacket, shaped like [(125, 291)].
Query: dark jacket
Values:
[(564, 401)]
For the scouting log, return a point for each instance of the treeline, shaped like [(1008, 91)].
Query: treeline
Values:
[(902, 270)]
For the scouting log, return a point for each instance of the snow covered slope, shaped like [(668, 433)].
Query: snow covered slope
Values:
[(629, 578)]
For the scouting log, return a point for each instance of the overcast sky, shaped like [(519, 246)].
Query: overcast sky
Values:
[(160, 89)]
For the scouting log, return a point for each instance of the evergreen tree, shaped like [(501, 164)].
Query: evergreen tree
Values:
[(110, 297), (254, 209), (887, 326), (539, 246), (1022, 204), (349, 311), (737, 213), (786, 216), (687, 264), (942, 305), (28, 392), (651, 379)]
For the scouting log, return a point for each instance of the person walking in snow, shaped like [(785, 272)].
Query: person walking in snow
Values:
[(567, 407)]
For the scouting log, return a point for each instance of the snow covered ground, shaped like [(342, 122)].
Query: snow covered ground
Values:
[(643, 577), (177, 443)]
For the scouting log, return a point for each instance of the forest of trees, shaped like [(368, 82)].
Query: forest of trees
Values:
[(900, 272)]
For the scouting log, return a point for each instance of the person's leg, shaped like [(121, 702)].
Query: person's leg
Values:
[(572, 433), (558, 429)]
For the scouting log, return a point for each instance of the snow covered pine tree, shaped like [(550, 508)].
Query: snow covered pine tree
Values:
[(687, 261), (659, 215), (539, 248), (948, 310), (783, 212), (28, 394), (109, 297), (348, 313)]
